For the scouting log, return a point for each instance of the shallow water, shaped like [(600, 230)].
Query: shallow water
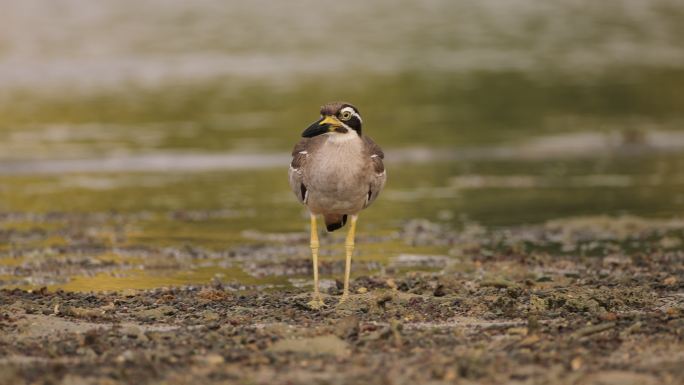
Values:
[(154, 152), (111, 231)]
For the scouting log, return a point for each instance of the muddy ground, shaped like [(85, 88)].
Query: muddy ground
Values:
[(580, 301)]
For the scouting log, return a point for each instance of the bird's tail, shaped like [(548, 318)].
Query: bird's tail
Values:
[(334, 221)]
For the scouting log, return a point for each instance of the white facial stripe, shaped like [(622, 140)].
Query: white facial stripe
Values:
[(349, 109)]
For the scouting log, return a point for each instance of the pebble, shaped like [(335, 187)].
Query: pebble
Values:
[(314, 346), (617, 377), (211, 359), (348, 327), (210, 316), (126, 356), (131, 331), (156, 313), (529, 340)]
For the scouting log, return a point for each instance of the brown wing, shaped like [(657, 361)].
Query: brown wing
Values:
[(379, 176), (299, 156)]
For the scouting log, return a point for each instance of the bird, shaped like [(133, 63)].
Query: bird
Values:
[(336, 171)]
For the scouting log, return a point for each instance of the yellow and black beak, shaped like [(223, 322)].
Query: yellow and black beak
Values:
[(325, 124)]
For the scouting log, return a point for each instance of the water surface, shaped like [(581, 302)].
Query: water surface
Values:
[(152, 150)]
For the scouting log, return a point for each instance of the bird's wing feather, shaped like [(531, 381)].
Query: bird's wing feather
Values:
[(299, 156), (379, 175)]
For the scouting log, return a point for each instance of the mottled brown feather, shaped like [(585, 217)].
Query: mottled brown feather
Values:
[(374, 149), (297, 157), (334, 107), (296, 177)]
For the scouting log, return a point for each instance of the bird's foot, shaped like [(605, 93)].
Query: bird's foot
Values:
[(343, 299), (316, 303)]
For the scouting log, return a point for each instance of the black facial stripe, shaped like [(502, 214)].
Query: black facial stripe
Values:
[(354, 123), (341, 130)]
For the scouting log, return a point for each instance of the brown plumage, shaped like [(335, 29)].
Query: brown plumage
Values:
[(333, 108), (336, 171), (366, 168)]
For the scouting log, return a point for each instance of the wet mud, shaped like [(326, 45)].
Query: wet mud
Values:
[(579, 301)]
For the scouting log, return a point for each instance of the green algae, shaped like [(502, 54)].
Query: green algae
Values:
[(139, 279)]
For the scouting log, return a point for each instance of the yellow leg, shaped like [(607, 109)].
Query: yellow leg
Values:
[(317, 301), (349, 246)]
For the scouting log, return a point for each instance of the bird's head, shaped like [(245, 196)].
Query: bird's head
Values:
[(337, 118)]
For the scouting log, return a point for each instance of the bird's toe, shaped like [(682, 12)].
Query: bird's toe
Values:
[(316, 304)]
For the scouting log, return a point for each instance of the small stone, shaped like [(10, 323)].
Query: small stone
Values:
[(616, 377), (670, 242), (131, 331), (210, 316), (167, 310), (616, 260), (314, 346), (631, 329), (384, 297), (608, 316), (362, 290), (156, 313), (670, 281), (379, 334), (80, 312), (209, 294), (450, 375), (211, 359), (348, 327), (129, 293), (529, 340), (440, 291), (518, 331), (576, 363), (127, 356)]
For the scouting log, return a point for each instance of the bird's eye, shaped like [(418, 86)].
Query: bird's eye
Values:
[(345, 115)]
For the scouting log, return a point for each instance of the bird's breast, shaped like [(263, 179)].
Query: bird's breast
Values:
[(338, 175)]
